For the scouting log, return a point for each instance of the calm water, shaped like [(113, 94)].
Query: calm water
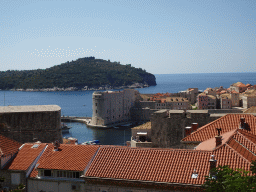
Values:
[(79, 103)]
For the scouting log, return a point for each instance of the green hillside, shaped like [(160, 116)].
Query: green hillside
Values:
[(87, 71)]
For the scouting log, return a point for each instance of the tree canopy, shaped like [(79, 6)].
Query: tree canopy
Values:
[(229, 180), (83, 72)]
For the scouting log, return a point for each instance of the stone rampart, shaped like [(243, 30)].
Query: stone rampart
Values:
[(168, 126), (26, 125)]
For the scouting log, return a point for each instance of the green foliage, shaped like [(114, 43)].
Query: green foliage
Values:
[(82, 72), (229, 180)]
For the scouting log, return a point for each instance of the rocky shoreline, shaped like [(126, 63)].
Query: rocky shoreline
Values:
[(86, 88)]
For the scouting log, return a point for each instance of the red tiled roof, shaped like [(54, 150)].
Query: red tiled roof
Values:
[(161, 165), (158, 165), (25, 157), (68, 157), (8, 146), (226, 155), (241, 85), (226, 123)]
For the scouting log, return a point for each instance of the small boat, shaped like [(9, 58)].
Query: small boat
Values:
[(94, 142), (65, 128)]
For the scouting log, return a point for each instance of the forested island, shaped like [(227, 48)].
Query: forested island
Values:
[(83, 73)]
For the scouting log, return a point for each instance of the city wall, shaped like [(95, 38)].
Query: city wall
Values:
[(30, 126), (168, 127)]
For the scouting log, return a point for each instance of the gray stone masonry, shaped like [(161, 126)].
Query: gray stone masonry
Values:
[(168, 130), (30, 126), (7, 175)]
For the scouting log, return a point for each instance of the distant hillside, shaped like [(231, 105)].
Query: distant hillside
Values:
[(83, 72)]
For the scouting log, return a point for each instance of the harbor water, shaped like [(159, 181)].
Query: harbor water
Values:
[(79, 103)]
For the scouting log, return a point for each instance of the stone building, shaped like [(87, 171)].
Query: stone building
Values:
[(31, 123), (168, 127), (112, 107), (167, 103), (190, 94), (235, 99), (141, 136), (225, 101), (238, 87), (249, 99)]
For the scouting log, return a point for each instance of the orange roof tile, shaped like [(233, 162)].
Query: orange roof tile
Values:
[(241, 85), (25, 157), (68, 157), (158, 165), (161, 165), (210, 144), (8, 146), (226, 123)]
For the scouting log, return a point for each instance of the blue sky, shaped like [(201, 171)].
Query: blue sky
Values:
[(161, 36)]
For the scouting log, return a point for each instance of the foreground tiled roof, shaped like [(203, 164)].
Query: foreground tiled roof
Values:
[(226, 123), (172, 166), (8, 146), (157, 165), (241, 144), (68, 157), (25, 157)]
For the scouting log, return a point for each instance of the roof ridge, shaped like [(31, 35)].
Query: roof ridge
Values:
[(237, 152), (231, 136), (9, 139), (205, 126), (248, 141)]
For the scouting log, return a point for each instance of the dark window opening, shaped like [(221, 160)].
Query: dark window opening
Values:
[(47, 173)]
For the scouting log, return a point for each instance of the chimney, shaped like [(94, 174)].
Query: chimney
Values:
[(218, 140), (56, 145), (213, 163), (72, 141), (128, 143), (194, 126), (242, 123), (218, 137), (188, 131)]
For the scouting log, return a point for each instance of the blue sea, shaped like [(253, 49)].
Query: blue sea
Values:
[(79, 103)]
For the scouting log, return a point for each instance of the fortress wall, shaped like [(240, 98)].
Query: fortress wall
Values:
[(168, 130), (32, 126)]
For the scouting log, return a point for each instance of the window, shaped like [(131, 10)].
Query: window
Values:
[(96, 111), (15, 178), (47, 173), (96, 104)]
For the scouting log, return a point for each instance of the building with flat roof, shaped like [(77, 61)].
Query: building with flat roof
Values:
[(31, 123)]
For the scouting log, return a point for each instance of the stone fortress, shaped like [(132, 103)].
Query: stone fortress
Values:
[(31, 123), (112, 107)]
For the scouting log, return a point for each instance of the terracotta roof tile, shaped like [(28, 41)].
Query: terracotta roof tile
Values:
[(25, 157), (158, 165), (68, 157), (8, 146), (163, 165), (226, 123)]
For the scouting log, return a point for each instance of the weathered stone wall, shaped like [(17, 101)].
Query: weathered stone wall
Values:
[(32, 126), (167, 130), (8, 181)]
